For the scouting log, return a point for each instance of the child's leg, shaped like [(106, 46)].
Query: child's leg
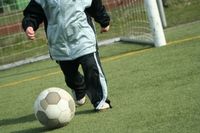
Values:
[(73, 78), (95, 80)]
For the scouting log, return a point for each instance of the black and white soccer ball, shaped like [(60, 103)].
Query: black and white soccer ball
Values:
[(54, 107)]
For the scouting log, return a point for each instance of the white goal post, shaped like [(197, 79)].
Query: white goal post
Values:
[(139, 21), (155, 22)]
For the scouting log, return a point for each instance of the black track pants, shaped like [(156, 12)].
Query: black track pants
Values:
[(93, 83)]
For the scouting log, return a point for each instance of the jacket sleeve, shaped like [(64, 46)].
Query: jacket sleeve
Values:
[(98, 12), (33, 16)]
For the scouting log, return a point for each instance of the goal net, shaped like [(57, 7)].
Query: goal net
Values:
[(130, 21), (136, 21)]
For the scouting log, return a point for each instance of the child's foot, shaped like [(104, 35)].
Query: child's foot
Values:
[(106, 105), (81, 101)]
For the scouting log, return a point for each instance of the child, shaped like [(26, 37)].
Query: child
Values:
[(72, 42)]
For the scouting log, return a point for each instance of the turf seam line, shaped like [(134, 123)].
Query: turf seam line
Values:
[(184, 40), (29, 79), (112, 58)]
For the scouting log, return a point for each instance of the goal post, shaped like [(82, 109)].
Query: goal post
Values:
[(136, 21), (155, 22), (162, 12)]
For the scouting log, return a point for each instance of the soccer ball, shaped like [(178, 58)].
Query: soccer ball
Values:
[(54, 108)]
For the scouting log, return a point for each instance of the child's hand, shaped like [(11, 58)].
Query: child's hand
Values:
[(105, 29), (30, 33)]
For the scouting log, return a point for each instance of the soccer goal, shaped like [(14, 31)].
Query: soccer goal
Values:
[(135, 21)]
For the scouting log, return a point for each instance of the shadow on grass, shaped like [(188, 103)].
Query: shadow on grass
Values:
[(32, 130), (20, 120), (31, 117), (90, 111), (23, 119), (85, 112), (36, 130)]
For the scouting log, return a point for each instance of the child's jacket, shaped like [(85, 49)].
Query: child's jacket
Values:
[(69, 32)]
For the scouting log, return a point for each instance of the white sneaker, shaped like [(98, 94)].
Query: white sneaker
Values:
[(81, 101), (78, 102), (103, 107)]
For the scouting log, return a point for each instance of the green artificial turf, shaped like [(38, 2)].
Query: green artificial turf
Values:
[(152, 91)]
